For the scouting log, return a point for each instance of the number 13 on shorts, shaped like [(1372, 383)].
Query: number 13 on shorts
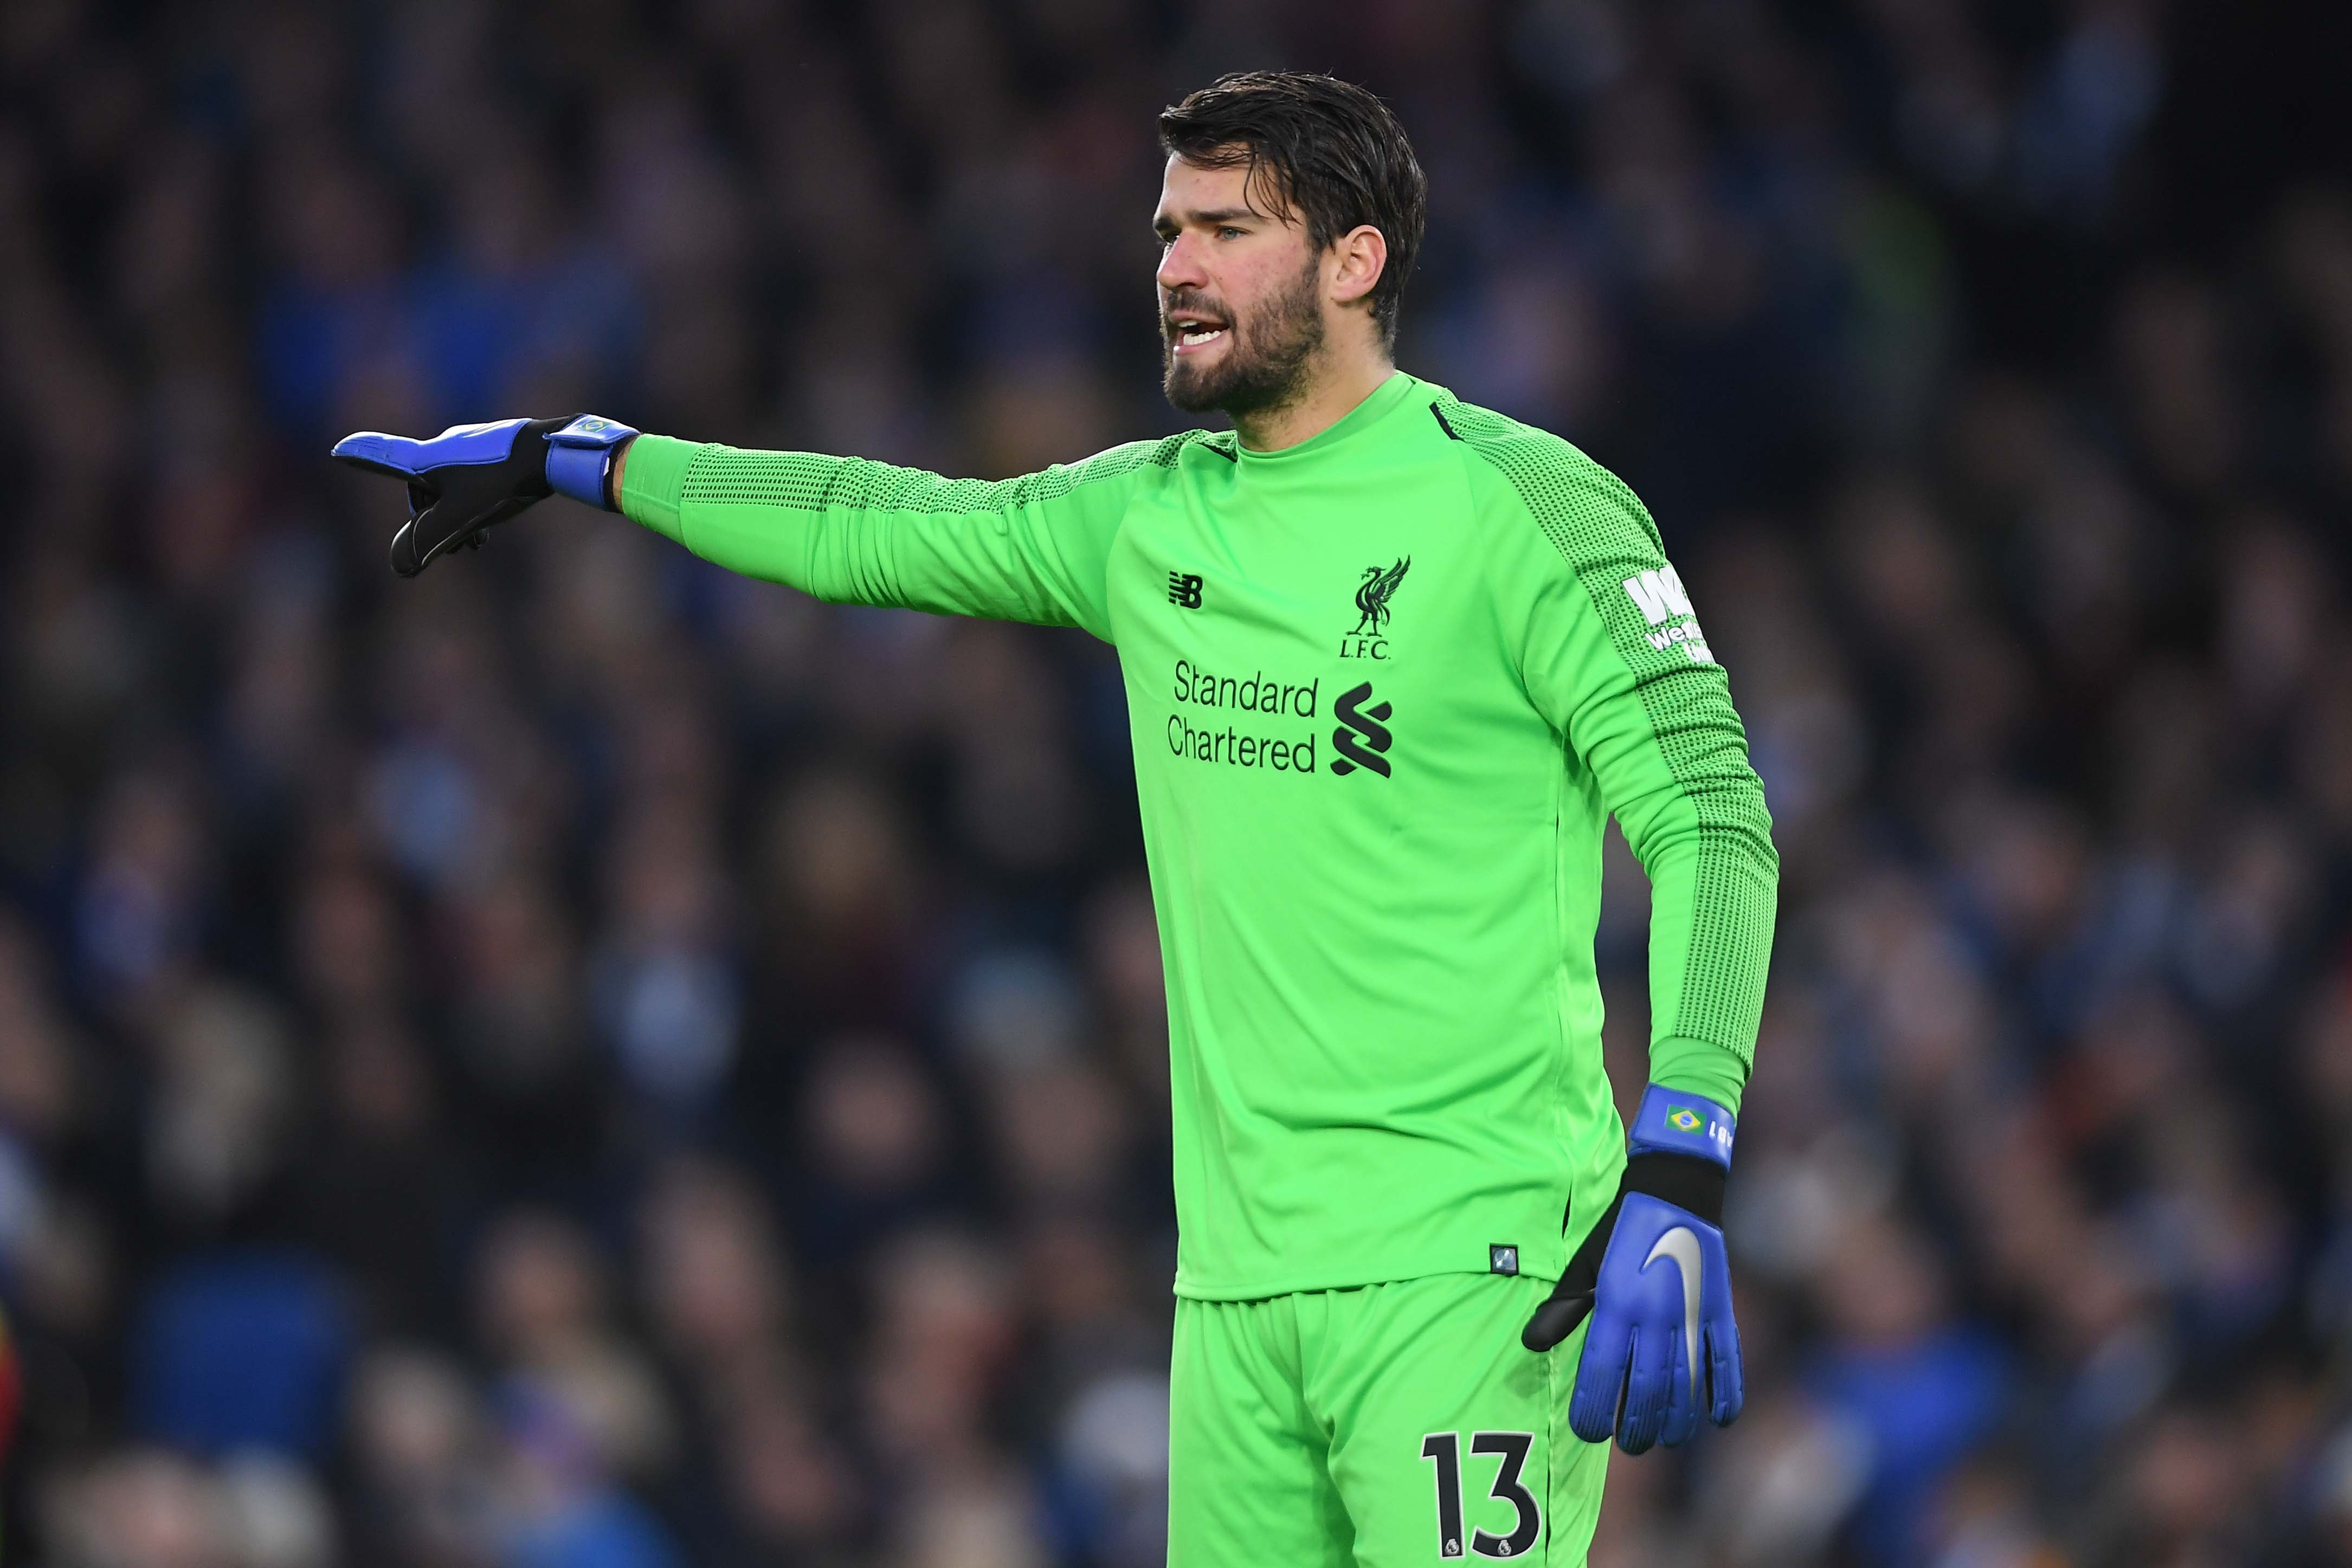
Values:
[(1443, 1451)]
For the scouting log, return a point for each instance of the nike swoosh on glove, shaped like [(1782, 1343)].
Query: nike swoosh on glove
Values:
[(1653, 1276), (472, 478)]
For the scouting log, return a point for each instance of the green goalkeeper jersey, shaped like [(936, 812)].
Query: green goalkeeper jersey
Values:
[(1385, 689)]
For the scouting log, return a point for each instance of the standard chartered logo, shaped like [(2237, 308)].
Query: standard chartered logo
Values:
[(1197, 735), (1370, 730), (1361, 739)]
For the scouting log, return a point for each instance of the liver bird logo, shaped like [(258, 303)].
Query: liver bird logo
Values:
[(1372, 599)]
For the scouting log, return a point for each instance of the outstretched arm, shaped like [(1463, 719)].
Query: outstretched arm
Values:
[(1030, 549), (851, 531)]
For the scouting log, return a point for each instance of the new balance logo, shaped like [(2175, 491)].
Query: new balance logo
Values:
[(1367, 723), (1664, 602), (1184, 590)]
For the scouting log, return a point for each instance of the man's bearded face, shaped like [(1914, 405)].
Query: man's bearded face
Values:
[(1239, 359)]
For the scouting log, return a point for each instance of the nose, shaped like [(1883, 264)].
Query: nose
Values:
[(1180, 265)]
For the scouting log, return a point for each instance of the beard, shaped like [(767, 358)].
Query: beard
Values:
[(1264, 362)]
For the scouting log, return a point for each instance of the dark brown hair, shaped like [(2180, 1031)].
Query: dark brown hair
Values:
[(1327, 149)]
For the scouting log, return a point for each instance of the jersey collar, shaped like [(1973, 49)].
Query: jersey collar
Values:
[(1385, 399)]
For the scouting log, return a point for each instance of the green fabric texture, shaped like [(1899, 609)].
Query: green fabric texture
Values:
[(1385, 689), (1377, 1425)]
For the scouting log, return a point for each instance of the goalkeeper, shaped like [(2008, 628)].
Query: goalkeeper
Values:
[(1391, 663)]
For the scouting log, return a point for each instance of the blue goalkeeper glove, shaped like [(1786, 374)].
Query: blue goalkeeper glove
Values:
[(1653, 1276), (472, 478)]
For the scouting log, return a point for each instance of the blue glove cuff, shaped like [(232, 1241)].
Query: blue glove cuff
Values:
[(578, 454), (1672, 1123)]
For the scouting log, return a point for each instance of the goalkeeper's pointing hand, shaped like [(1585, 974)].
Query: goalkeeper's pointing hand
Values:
[(1652, 1275), (472, 478)]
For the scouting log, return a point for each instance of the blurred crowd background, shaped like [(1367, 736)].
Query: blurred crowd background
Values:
[(579, 1062)]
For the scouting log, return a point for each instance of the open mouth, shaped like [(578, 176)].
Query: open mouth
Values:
[(1190, 336)]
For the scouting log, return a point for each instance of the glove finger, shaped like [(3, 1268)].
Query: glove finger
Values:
[(1600, 1381), (431, 534), (439, 529), (1682, 1395), (407, 555), (1649, 1387), (397, 455), (1555, 1319), (1726, 1383)]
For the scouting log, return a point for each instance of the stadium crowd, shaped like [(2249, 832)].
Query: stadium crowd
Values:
[(582, 1061)]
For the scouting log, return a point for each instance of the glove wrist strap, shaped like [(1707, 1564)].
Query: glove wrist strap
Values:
[(580, 457), (1695, 1187), (1671, 1121)]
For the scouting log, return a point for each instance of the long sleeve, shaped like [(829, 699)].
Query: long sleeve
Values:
[(1611, 654), (853, 531)]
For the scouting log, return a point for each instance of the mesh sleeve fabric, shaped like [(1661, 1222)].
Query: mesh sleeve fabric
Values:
[(1700, 799), (809, 482), (852, 531)]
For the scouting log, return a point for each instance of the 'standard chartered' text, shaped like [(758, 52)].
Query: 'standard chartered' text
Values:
[(1255, 694)]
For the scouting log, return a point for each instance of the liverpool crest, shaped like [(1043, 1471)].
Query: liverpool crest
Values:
[(1380, 586), (1372, 596)]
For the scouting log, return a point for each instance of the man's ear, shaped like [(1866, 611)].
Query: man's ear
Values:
[(1362, 254)]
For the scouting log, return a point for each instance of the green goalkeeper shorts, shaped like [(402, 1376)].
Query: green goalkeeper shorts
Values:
[(1376, 1426)]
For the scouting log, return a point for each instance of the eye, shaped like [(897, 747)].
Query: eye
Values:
[(1229, 231)]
